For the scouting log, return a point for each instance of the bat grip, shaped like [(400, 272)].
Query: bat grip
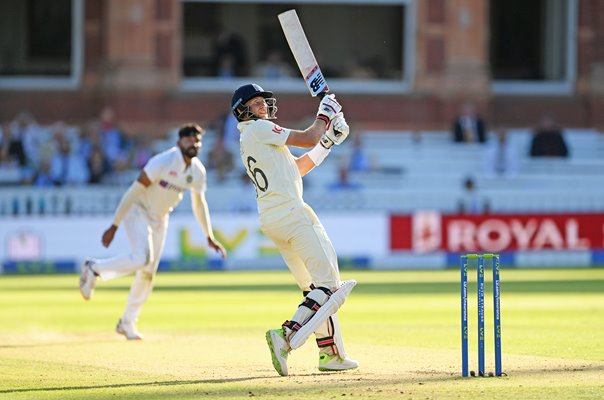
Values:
[(321, 95)]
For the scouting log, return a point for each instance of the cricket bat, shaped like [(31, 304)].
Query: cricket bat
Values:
[(315, 81)]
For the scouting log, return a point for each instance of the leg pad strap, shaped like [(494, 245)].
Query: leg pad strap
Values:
[(293, 325), (310, 304), (327, 341)]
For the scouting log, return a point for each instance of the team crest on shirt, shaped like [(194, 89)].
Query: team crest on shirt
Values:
[(277, 129), (189, 179)]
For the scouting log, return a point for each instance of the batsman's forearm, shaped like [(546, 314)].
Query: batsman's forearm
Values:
[(305, 164), (316, 130)]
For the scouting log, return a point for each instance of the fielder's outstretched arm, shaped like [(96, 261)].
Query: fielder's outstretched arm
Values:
[(129, 197), (202, 214)]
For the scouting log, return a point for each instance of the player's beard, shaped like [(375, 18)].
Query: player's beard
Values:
[(190, 152)]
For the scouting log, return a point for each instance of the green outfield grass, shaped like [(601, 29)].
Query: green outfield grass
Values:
[(205, 338)]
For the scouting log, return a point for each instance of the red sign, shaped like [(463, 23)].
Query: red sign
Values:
[(432, 231)]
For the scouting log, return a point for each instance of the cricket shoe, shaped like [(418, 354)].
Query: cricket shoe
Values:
[(328, 362), (87, 279), (279, 349), (129, 330)]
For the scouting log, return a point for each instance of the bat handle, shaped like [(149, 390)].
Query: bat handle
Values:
[(322, 94)]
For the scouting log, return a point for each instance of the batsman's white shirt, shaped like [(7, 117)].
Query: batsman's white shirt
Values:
[(271, 166), (284, 217), (170, 177)]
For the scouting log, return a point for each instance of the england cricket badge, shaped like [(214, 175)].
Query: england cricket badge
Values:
[(189, 178)]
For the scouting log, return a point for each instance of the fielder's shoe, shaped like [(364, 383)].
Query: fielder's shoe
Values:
[(129, 330), (279, 349), (87, 279), (328, 362)]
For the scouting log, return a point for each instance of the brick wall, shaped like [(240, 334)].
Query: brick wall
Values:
[(140, 76)]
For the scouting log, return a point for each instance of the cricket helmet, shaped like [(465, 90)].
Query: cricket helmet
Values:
[(246, 92)]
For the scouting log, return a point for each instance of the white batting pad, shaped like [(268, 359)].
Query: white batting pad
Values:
[(328, 309)]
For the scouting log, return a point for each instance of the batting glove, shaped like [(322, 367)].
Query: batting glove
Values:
[(328, 108), (337, 131)]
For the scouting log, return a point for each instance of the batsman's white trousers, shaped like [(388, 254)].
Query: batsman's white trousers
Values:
[(305, 247), (147, 236), (309, 255)]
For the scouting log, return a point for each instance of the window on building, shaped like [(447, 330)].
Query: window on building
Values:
[(359, 45), (532, 45), (38, 42)]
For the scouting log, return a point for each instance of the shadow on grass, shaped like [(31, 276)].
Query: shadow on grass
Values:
[(343, 379), (561, 370), (126, 385), (338, 382), (61, 343)]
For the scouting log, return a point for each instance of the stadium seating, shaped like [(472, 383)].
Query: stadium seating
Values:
[(413, 171)]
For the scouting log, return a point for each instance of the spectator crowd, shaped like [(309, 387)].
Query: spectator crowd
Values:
[(62, 155), (101, 152)]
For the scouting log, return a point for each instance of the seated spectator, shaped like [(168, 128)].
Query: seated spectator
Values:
[(12, 148), (230, 55), (548, 140), (500, 157), (220, 159), (32, 137), (10, 171), (14, 139), (359, 159), (21, 142), (98, 165), (67, 167), (226, 126), (471, 201), (42, 177), (111, 138), (343, 182), (59, 131), (274, 67), (141, 150), (469, 127), (226, 67), (4, 144), (90, 136)]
